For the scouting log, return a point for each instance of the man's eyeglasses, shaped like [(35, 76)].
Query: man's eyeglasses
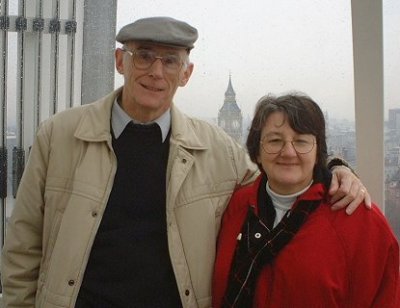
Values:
[(274, 145), (144, 58)]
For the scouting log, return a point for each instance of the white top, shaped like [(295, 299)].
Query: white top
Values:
[(283, 203)]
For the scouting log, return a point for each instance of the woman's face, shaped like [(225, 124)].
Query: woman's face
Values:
[(288, 171)]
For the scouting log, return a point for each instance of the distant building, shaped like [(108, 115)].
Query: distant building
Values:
[(394, 119), (341, 140), (392, 202), (230, 117)]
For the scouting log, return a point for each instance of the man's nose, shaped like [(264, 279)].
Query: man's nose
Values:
[(157, 68)]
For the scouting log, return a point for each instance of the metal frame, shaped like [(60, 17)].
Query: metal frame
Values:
[(33, 96), (55, 61)]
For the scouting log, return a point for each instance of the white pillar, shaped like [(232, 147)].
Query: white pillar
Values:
[(368, 87)]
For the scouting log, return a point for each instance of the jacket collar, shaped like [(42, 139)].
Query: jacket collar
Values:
[(184, 131), (317, 191), (95, 124)]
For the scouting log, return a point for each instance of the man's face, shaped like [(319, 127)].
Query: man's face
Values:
[(148, 91)]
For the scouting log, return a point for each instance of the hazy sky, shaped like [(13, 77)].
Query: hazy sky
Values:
[(272, 46)]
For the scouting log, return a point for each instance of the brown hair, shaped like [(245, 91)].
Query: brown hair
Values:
[(303, 115)]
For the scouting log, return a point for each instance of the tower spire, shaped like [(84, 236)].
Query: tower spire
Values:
[(230, 115)]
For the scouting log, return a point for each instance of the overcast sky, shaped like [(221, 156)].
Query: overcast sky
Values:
[(270, 46)]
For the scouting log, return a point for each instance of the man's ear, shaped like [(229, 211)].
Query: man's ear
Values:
[(186, 75), (119, 60)]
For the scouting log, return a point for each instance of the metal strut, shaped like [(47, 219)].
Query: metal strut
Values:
[(4, 26), (18, 166)]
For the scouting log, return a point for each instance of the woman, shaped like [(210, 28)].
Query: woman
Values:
[(280, 244)]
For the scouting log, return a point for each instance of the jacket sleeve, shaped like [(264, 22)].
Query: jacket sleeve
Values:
[(373, 258), (388, 294), (386, 272), (22, 251)]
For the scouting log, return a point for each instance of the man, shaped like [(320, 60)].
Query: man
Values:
[(114, 213)]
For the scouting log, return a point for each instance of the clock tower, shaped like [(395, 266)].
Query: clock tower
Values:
[(230, 116)]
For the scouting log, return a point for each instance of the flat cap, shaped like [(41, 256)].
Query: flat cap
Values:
[(160, 30)]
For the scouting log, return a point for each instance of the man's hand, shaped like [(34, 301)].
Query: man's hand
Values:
[(347, 190)]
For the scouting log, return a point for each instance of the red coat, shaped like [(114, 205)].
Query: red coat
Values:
[(334, 260)]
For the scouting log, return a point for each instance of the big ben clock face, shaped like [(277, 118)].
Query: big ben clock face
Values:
[(235, 124)]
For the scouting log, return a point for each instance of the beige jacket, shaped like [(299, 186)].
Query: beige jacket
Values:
[(65, 188)]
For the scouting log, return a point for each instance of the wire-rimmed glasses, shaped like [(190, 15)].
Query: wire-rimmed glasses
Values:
[(302, 145), (144, 58)]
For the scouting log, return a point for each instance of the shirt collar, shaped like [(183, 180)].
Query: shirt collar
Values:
[(284, 202), (119, 120)]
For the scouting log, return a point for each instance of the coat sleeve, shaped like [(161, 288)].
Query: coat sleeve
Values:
[(387, 270), (373, 258), (388, 294), (22, 251)]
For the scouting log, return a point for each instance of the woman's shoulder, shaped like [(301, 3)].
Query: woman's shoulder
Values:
[(242, 198), (363, 225), (247, 192)]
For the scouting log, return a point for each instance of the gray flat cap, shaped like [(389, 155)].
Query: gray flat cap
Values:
[(160, 30)]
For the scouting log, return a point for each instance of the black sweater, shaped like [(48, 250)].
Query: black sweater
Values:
[(129, 265)]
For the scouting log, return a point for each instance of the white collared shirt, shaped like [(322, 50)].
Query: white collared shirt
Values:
[(120, 119)]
